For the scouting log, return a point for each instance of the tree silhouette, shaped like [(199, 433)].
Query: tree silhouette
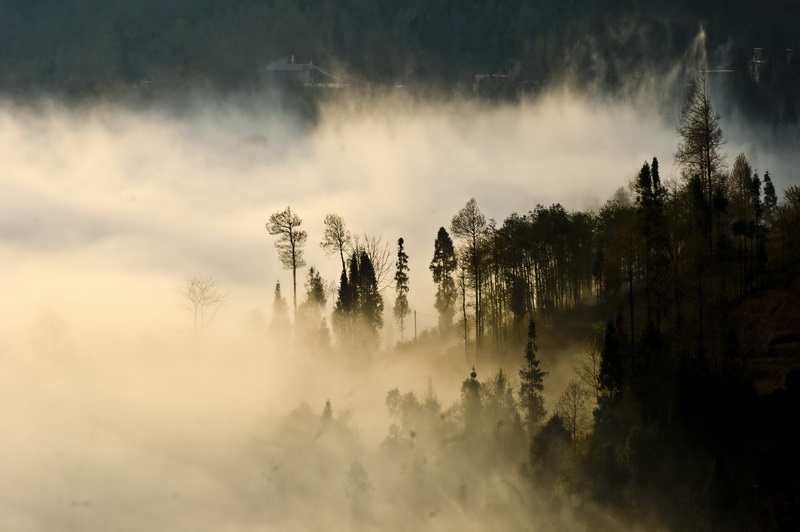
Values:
[(358, 490), (370, 301), (336, 238), (290, 244), (531, 384), (401, 309), (442, 266), (469, 224), (701, 140), (280, 324), (203, 300)]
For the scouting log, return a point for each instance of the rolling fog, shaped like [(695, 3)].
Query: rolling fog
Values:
[(117, 416)]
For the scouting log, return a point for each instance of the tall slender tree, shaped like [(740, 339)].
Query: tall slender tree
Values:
[(469, 225), (442, 266), (700, 146), (401, 309), (285, 224), (336, 238), (280, 316), (370, 301), (531, 384)]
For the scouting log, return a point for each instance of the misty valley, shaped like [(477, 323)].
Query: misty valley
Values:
[(530, 271)]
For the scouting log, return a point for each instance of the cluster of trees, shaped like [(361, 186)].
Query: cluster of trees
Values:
[(81, 47), (661, 417), (358, 310), (666, 256)]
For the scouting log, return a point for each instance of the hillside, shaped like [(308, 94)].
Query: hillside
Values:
[(78, 48)]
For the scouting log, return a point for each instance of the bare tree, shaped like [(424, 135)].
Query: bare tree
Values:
[(379, 255), (290, 244), (572, 406), (203, 300), (336, 238), (588, 369)]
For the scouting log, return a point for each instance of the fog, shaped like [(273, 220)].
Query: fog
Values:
[(118, 416)]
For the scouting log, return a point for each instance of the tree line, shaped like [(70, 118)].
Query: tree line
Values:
[(664, 256)]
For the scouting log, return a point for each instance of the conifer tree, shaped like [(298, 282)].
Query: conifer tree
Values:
[(770, 198), (280, 323), (370, 301), (531, 384), (401, 309), (472, 405), (442, 266)]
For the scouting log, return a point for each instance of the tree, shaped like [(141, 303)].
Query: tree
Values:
[(290, 244), (370, 302), (741, 184), (770, 198), (573, 409), (700, 143), (588, 368), (379, 256), (531, 384), (401, 286), (327, 414), (335, 238), (346, 307), (549, 450), (358, 490), (280, 314), (472, 405), (470, 226), (442, 266), (203, 300), (359, 307), (312, 329)]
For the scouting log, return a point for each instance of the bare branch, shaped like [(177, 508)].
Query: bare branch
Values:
[(203, 300), (379, 255)]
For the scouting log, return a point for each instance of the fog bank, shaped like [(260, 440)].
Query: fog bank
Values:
[(119, 417)]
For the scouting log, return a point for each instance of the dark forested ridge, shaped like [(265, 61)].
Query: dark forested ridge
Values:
[(81, 47)]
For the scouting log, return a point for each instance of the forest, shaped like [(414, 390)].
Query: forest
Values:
[(112, 49), (679, 413)]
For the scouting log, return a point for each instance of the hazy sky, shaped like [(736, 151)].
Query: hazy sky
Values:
[(110, 408)]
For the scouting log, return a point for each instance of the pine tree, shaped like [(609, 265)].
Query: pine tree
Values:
[(280, 324), (770, 199), (401, 309), (311, 326), (531, 384), (472, 406), (370, 301), (442, 266), (327, 414), (345, 309)]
